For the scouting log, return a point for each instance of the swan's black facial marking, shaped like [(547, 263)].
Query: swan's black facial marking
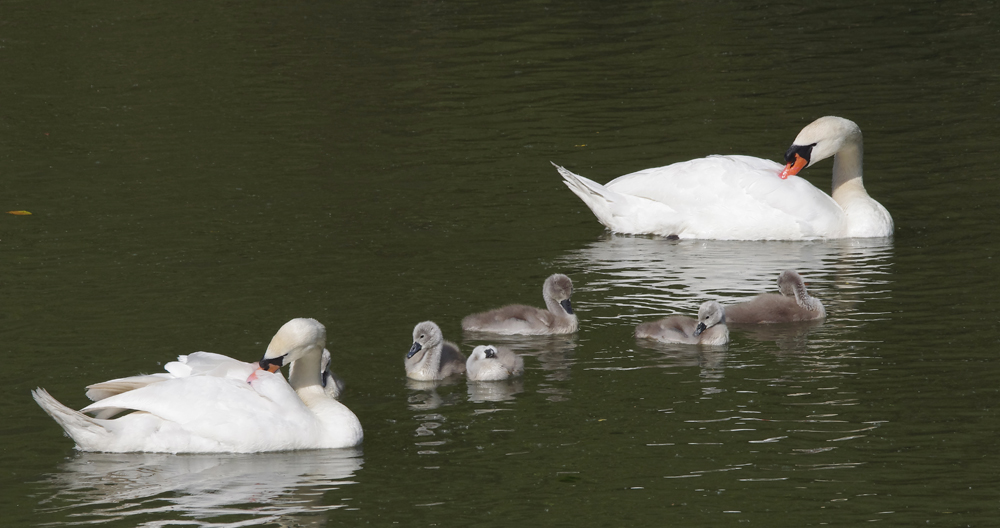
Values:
[(272, 365), (413, 350), (804, 151), (568, 306)]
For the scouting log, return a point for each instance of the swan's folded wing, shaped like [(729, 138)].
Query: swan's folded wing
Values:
[(732, 196), (224, 409), (209, 364), (106, 389)]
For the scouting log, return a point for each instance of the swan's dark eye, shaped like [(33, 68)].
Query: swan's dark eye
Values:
[(421, 336)]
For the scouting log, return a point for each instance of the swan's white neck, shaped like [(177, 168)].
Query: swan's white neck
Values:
[(847, 171), (306, 370)]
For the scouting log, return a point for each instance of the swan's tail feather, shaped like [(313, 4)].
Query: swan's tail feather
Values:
[(83, 429), (597, 197)]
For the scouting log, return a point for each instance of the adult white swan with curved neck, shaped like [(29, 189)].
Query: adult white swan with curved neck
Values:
[(209, 403), (745, 198)]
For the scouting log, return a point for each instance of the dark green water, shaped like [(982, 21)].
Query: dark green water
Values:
[(199, 173)]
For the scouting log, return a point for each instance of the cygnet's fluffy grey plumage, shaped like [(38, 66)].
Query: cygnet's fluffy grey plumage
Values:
[(794, 304), (491, 363), (709, 329), (528, 320), (431, 357)]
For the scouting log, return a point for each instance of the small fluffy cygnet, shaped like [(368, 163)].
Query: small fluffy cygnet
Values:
[(709, 329), (794, 304), (490, 363), (528, 320), (431, 357)]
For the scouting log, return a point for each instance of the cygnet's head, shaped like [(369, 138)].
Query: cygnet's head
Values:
[(559, 288), (484, 352), (425, 335), (710, 314), (789, 281), (819, 140), (294, 339)]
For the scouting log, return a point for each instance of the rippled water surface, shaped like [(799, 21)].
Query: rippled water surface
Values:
[(199, 173)]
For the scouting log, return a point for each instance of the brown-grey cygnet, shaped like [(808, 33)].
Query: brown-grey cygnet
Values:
[(528, 320), (491, 363), (794, 304), (431, 357), (709, 329)]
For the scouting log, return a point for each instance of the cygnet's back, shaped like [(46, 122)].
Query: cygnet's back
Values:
[(709, 329), (431, 357), (794, 304), (528, 320), (490, 363)]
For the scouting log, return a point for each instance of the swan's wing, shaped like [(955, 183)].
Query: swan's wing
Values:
[(210, 364), (227, 410), (736, 197), (105, 389)]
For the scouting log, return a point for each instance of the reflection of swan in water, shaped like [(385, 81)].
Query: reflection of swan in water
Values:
[(283, 489), (639, 276)]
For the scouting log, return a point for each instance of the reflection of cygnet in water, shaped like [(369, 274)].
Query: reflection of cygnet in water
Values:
[(495, 391), (490, 363), (709, 329), (528, 320), (794, 304), (431, 357)]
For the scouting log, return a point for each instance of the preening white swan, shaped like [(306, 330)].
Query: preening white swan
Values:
[(745, 198), (209, 403), (519, 319), (709, 329)]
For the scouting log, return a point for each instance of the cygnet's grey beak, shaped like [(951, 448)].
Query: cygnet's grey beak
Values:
[(490, 353), (567, 306), (699, 329), (413, 350)]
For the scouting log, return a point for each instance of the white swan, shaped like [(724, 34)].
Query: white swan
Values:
[(519, 319), (709, 329), (745, 198), (209, 403), (490, 363)]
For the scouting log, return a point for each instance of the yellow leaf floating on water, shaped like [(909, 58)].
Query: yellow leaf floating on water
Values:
[(19, 213)]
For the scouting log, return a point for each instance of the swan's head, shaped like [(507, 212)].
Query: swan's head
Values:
[(294, 339), (559, 288), (484, 352), (819, 140), (789, 281), (710, 314), (425, 335)]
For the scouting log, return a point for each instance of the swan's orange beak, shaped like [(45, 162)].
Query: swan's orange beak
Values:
[(272, 368), (791, 169)]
